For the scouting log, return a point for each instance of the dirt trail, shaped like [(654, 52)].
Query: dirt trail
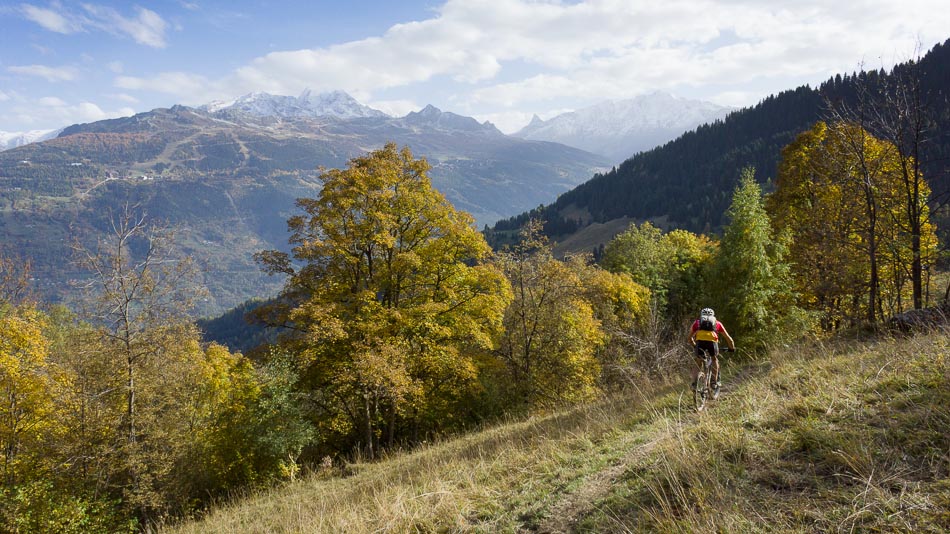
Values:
[(574, 506)]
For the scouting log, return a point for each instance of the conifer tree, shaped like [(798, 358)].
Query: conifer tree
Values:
[(751, 278)]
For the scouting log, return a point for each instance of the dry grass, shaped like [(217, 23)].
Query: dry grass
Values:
[(498, 480), (836, 438)]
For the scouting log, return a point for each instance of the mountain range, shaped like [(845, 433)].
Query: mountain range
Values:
[(337, 104), (688, 182), (619, 129), (227, 176)]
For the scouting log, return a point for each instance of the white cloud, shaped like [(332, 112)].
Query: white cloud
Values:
[(146, 27), (519, 53), (125, 98), (189, 88), (115, 66), (50, 74), (51, 20), (4, 97), (396, 108), (52, 110), (51, 101)]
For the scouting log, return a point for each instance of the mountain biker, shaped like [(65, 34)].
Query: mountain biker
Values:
[(704, 335)]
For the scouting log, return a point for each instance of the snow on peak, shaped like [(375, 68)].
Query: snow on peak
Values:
[(621, 128), (10, 140), (335, 104), (535, 122)]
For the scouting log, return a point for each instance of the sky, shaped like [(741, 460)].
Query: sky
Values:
[(66, 62)]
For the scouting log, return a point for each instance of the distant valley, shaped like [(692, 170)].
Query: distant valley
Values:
[(226, 175)]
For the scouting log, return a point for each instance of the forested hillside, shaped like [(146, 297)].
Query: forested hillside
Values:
[(688, 181), (397, 326), (227, 181)]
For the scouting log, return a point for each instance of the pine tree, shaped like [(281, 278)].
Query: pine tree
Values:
[(752, 278)]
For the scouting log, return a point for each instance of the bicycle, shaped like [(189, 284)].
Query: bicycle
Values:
[(702, 387)]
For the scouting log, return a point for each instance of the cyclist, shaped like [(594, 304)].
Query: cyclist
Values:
[(704, 335)]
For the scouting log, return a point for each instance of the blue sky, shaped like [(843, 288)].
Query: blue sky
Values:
[(64, 61)]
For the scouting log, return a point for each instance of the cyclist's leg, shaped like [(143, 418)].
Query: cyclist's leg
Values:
[(699, 358), (715, 364)]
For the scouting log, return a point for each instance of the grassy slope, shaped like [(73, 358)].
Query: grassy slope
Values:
[(846, 438)]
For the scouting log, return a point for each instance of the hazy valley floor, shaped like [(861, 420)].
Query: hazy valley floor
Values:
[(839, 437)]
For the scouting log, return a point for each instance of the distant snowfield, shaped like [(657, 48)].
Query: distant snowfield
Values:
[(619, 129), (333, 104), (10, 140)]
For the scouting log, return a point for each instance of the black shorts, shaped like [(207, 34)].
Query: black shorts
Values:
[(707, 346)]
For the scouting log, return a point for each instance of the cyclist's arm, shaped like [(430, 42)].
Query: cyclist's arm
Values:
[(692, 334), (729, 341)]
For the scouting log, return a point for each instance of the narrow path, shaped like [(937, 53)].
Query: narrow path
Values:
[(574, 506), (564, 514)]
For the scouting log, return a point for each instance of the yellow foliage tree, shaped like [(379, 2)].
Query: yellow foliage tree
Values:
[(670, 264), (840, 193), (29, 387), (392, 302), (566, 322)]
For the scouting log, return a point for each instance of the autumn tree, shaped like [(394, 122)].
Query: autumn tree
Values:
[(39, 489), (566, 328), (551, 334), (622, 308), (138, 295), (840, 192), (897, 110), (640, 252), (689, 260), (672, 265), (28, 389), (388, 298)]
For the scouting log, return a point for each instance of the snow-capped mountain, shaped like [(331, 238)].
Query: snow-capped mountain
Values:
[(336, 104), (619, 129), (10, 140)]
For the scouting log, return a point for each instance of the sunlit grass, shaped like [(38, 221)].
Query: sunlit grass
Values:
[(823, 438), (836, 438)]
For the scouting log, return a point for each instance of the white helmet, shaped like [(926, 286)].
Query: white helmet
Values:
[(707, 312)]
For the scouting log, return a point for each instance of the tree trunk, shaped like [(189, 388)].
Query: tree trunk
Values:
[(415, 424), (131, 399), (917, 270), (391, 431), (369, 428), (872, 258)]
